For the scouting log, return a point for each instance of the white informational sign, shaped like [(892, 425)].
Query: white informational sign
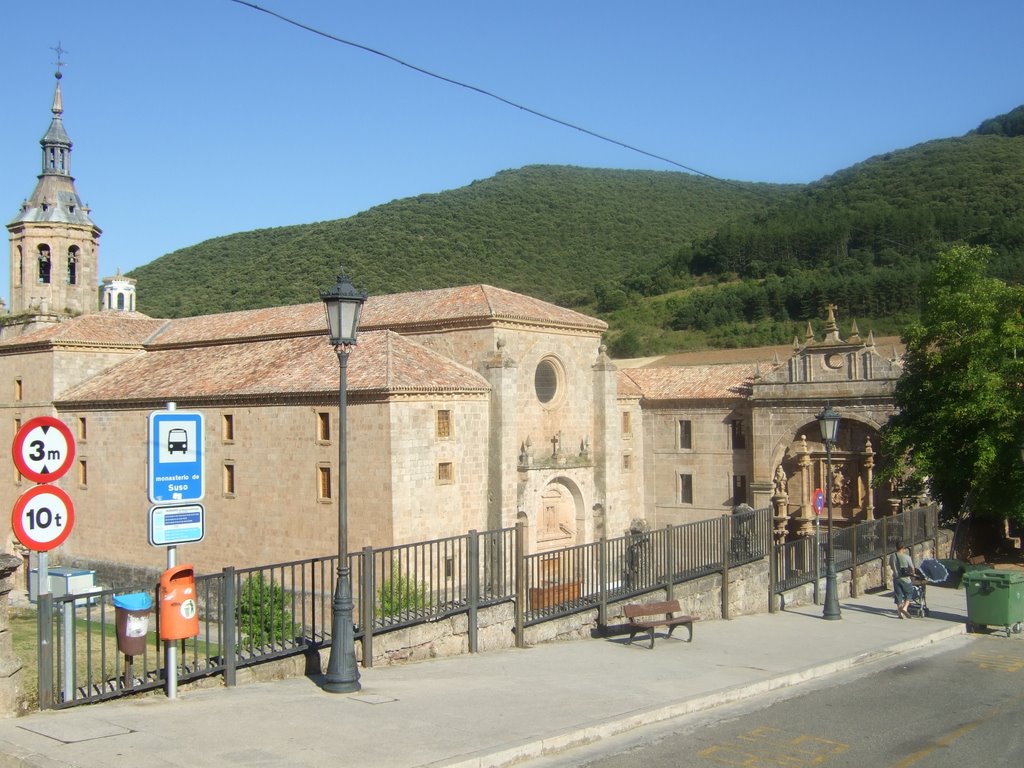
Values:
[(175, 457), (176, 524)]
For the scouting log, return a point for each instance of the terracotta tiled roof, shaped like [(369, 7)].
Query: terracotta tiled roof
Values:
[(626, 386), (292, 320), (96, 329), (419, 310), (382, 362), (444, 306), (693, 382)]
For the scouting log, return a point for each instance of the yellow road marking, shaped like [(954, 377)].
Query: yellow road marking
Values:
[(773, 747)]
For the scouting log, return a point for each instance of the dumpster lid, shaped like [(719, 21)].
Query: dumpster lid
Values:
[(137, 601), (992, 575)]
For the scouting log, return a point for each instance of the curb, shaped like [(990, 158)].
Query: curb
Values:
[(604, 729)]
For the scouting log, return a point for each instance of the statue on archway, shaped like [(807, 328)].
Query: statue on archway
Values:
[(780, 483)]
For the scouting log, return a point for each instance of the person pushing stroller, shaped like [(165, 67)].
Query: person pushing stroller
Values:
[(902, 566)]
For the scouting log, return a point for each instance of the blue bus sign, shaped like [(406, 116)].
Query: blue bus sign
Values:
[(175, 456)]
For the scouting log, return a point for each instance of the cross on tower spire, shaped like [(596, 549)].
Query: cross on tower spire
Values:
[(60, 61)]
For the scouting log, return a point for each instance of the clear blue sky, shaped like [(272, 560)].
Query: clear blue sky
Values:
[(197, 118)]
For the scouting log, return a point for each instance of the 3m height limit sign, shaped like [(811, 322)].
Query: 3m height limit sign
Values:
[(176, 456)]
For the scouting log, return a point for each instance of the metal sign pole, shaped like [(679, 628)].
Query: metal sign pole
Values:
[(171, 646)]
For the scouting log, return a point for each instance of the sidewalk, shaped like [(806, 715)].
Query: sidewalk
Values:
[(480, 710)]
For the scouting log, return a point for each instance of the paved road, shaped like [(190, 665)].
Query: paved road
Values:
[(958, 704)]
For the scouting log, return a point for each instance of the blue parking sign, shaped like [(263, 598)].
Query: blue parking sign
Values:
[(175, 456)]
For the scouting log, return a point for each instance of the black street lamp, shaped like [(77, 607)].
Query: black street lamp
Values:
[(828, 420), (343, 304)]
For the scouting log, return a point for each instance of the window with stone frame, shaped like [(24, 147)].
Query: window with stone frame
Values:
[(323, 426), (738, 434), (443, 424), (445, 473), (685, 488), (323, 479), (83, 473), (228, 428), (739, 489), (229, 479), (685, 434), (627, 424), (627, 462)]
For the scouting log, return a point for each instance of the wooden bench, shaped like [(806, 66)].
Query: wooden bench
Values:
[(666, 611)]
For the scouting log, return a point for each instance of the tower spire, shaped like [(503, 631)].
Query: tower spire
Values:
[(54, 242)]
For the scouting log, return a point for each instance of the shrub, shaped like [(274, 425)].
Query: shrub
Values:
[(399, 594), (261, 613)]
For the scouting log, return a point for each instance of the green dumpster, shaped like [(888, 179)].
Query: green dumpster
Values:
[(995, 598)]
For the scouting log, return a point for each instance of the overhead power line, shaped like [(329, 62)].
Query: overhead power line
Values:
[(481, 91)]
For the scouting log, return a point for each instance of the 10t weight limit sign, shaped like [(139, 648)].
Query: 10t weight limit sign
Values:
[(43, 517)]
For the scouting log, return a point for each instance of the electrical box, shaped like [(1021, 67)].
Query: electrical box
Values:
[(65, 581)]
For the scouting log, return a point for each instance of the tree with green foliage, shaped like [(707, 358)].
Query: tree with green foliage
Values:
[(960, 401)]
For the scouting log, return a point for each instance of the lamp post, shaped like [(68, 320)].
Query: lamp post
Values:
[(828, 420), (343, 304)]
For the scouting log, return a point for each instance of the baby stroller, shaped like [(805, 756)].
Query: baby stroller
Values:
[(928, 572)]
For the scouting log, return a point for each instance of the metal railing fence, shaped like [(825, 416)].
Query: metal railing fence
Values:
[(253, 615), (801, 561)]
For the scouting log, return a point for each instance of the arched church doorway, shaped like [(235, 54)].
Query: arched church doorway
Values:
[(556, 517)]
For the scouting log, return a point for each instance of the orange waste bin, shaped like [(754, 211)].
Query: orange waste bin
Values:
[(179, 614)]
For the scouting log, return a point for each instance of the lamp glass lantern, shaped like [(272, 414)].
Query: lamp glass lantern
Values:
[(343, 303), (828, 420)]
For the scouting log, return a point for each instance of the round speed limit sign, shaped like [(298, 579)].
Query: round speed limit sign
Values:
[(43, 517)]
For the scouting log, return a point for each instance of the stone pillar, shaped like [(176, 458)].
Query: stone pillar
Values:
[(780, 517), (869, 494), (610, 512), (11, 685), (501, 372), (806, 514)]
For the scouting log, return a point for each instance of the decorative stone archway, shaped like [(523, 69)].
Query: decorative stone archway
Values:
[(803, 468)]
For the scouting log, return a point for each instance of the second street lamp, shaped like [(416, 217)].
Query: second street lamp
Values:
[(828, 420), (343, 304)]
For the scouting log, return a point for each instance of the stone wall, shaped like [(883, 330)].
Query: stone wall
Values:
[(10, 666)]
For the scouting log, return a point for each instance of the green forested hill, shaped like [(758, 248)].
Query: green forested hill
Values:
[(863, 238), (558, 233), (670, 260)]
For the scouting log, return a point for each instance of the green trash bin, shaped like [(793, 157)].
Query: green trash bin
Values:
[(995, 598)]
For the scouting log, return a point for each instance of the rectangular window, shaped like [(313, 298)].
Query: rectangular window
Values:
[(323, 426), (444, 424), (739, 489), (685, 434), (83, 473), (685, 488), (323, 479), (445, 473), (627, 424), (739, 436), (228, 428), (229, 479), (17, 389), (82, 429), (627, 462)]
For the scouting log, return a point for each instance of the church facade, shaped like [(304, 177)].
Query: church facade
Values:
[(468, 408)]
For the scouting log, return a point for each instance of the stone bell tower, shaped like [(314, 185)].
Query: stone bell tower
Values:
[(54, 242)]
